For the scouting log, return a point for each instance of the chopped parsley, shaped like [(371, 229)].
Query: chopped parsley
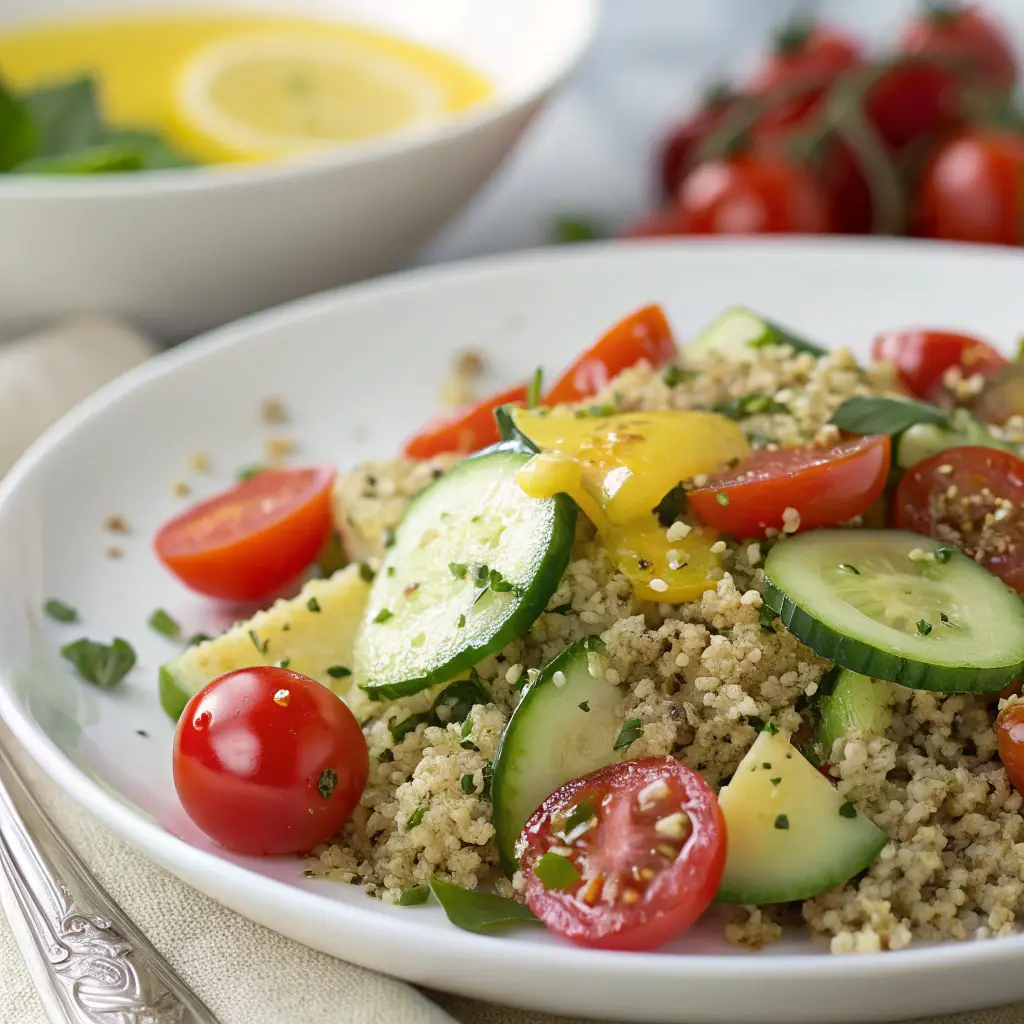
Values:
[(584, 705), (580, 819), (924, 627), (400, 729), (674, 375), (766, 765), (313, 604), (467, 783), (326, 783), (339, 672), (846, 567), (60, 611), (260, 646), (750, 405), (366, 574), (771, 728), (386, 756), (847, 810), (389, 537), (629, 733), (102, 664), (556, 871), (458, 569), (461, 621), (198, 638), (943, 555), (383, 615), (163, 624), (560, 609), (722, 498), (414, 897), (781, 821), (416, 817), (469, 745), (775, 781), (284, 663)]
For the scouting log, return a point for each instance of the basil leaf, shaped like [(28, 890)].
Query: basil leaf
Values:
[(17, 132), (885, 415), (104, 158), (102, 664), (152, 149), (66, 117), (477, 911)]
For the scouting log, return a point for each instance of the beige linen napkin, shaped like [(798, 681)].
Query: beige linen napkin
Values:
[(245, 973)]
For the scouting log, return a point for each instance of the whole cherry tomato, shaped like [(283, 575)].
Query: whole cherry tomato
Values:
[(912, 99), (922, 357), (849, 193), (972, 190), (949, 30), (806, 59), (753, 195), (679, 149), (246, 543), (268, 761), (644, 869)]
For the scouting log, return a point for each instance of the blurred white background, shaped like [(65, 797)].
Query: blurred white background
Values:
[(590, 154)]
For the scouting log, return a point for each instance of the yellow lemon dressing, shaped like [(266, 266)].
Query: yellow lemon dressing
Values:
[(247, 86), (618, 468)]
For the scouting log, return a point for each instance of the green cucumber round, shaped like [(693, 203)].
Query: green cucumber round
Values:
[(858, 598), (474, 562)]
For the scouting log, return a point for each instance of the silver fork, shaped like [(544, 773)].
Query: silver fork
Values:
[(98, 967)]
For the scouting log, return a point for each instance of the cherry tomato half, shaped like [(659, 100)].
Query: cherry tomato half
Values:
[(1010, 743), (638, 886), (972, 189), (250, 541), (268, 761), (922, 356), (753, 195), (970, 497), (967, 33), (468, 430), (644, 334), (827, 486)]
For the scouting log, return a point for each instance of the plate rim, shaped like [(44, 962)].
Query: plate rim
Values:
[(472, 949)]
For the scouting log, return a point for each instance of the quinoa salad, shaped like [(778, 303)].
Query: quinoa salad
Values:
[(733, 620)]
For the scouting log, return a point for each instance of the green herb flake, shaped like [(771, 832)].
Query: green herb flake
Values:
[(498, 583), (339, 672), (810, 752), (366, 574), (722, 498), (386, 756), (327, 782), (534, 391), (767, 765), (560, 609), (847, 810), (400, 729), (629, 733), (469, 745), (416, 817), (284, 663), (248, 472), (461, 621), (458, 569), (846, 567), (924, 627), (163, 624), (570, 230), (467, 783), (389, 537), (383, 615), (102, 664), (755, 723), (775, 781), (750, 405), (197, 638), (414, 897), (674, 375), (556, 871), (584, 705), (479, 573), (580, 819), (771, 728), (476, 911), (943, 555), (781, 821), (59, 611), (260, 646), (313, 605)]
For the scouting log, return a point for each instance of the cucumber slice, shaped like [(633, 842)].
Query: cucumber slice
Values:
[(737, 331), (314, 632), (852, 702), (791, 835), (923, 440), (860, 600), (551, 739), (473, 564)]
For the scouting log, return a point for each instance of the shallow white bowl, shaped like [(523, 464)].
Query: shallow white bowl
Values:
[(361, 368), (181, 251)]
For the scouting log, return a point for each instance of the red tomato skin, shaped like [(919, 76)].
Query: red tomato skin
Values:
[(851, 207), (972, 189), (967, 32), (921, 356), (827, 486), (468, 430), (753, 195), (247, 767), (209, 550), (679, 149), (969, 468), (1010, 743), (813, 55), (681, 894), (912, 100), (644, 334)]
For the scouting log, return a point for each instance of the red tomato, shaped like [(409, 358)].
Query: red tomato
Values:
[(644, 334), (249, 541), (468, 430), (952, 31), (827, 486), (638, 887), (806, 60), (1010, 743), (679, 150), (972, 189), (268, 761), (753, 195), (911, 100), (921, 357), (970, 497)]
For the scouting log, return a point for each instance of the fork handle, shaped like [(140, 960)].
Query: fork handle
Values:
[(99, 968)]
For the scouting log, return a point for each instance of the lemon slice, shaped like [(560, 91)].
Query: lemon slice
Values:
[(263, 95)]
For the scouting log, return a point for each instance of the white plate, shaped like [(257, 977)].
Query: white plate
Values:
[(361, 368)]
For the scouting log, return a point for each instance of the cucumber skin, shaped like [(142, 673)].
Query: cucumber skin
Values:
[(774, 334), (550, 571), (841, 707), (509, 861), (868, 661), (172, 698)]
